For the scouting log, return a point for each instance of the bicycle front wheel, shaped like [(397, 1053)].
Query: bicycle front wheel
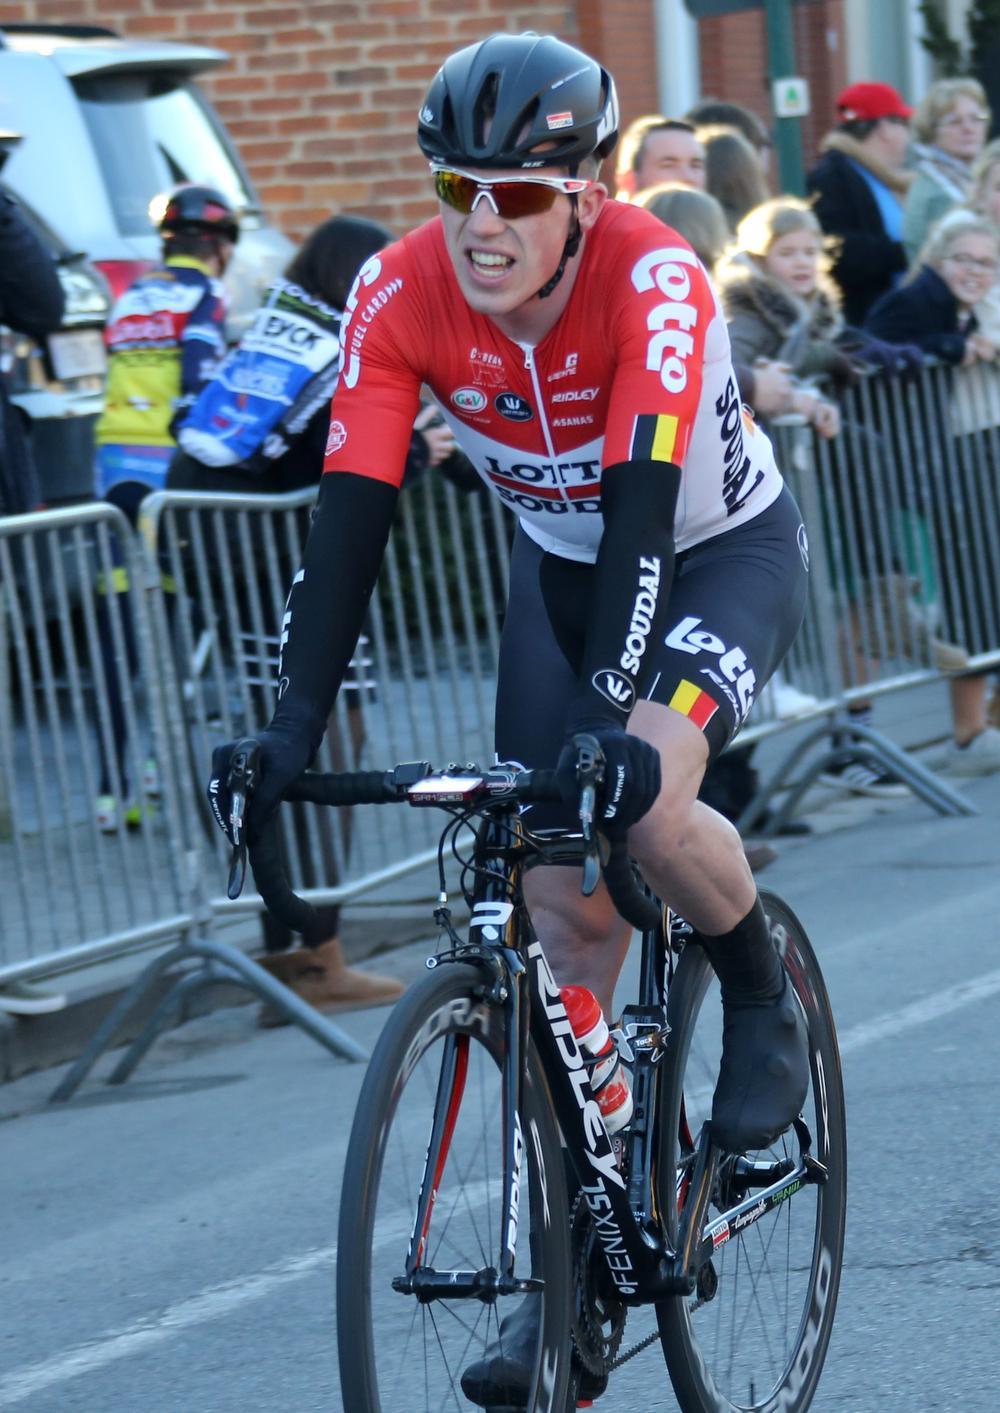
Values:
[(755, 1333), (434, 1088)]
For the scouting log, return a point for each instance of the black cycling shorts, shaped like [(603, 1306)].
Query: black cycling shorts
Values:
[(736, 603)]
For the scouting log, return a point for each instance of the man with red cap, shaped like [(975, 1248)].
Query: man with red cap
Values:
[(859, 184)]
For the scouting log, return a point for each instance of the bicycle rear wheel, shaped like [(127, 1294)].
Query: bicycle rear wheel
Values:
[(439, 1055), (755, 1334)]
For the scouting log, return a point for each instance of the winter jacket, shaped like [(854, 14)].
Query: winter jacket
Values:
[(867, 259), (941, 182), (768, 320), (925, 312), (31, 301)]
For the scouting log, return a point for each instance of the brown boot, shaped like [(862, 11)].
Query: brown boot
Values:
[(321, 977)]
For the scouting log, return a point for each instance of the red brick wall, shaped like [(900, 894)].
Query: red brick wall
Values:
[(321, 97), (734, 62)]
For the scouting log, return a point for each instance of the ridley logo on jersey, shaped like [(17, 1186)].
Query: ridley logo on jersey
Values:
[(469, 399), (576, 395), (513, 407)]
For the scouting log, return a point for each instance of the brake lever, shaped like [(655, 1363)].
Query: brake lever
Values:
[(589, 773), (243, 775)]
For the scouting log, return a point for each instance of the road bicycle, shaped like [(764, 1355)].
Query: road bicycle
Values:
[(479, 1170)]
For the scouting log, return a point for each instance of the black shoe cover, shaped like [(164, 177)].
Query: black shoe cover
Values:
[(764, 1075), (501, 1380)]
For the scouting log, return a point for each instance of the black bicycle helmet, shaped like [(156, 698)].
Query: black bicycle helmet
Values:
[(198, 210), (495, 103)]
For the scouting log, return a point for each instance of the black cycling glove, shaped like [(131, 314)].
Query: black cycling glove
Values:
[(631, 776), (285, 752)]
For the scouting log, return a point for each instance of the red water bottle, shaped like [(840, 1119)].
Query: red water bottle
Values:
[(609, 1078)]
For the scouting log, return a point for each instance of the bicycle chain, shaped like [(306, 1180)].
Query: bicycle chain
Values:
[(650, 1339)]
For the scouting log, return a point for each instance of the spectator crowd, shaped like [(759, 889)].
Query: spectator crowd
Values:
[(889, 265)]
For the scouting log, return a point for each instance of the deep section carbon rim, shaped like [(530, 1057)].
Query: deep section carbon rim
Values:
[(755, 1333), (440, 1055)]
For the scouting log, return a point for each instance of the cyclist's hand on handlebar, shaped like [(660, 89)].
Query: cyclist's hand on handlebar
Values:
[(631, 777), (284, 755)]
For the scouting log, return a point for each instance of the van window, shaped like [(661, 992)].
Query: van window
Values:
[(150, 132)]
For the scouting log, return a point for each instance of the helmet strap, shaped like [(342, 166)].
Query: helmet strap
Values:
[(569, 250)]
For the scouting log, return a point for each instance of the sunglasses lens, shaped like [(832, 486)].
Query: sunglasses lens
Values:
[(512, 199), (455, 190), (523, 199)]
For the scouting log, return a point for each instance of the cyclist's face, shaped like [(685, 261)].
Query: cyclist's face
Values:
[(501, 263)]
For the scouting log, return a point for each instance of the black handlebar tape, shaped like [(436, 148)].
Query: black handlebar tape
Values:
[(629, 899), (268, 864), (359, 787), (538, 788)]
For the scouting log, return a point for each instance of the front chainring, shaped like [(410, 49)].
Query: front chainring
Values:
[(598, 1320)]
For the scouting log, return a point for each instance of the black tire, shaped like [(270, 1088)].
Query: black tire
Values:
[(760, 1340), (396, 1355)]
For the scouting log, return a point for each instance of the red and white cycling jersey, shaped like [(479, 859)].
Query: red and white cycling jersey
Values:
[(637, 367)]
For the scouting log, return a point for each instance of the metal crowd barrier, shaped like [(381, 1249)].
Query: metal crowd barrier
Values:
[(902, 514)]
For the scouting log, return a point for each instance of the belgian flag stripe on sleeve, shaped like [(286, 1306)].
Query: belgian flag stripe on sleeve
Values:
[(654, 437)]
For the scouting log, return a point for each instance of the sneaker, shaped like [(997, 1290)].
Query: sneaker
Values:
[(109, 814), (764, 1075), (860, 778), (980, 757), (23, 998), (783, 699), (151, 778), (106, 814)]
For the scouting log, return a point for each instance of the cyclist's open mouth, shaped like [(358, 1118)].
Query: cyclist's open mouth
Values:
[(489, 265)]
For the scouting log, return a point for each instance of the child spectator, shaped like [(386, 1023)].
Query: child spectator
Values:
[(781, 304), (949, 128)]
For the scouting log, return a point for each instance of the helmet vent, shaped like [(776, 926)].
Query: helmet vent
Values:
[(486, 108)]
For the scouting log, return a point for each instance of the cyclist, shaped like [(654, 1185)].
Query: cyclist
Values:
[(658, 574), (164, 338)]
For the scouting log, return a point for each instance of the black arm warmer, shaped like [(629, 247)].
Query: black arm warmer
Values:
[(327, 602), (635, 568)]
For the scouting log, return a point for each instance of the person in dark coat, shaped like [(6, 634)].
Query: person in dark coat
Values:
[(260, 427), (859, 184), (31, 302), (936, 309)]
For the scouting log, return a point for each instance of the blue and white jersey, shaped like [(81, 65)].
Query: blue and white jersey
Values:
[(269, 386)]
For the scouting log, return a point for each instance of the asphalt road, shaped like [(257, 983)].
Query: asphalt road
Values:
[(169, 1246)]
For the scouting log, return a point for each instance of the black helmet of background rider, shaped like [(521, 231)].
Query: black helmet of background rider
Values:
[(521, 100), (192, 215)]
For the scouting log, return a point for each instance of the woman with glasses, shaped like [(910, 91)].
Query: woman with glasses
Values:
[(936, 309), (949, 129)]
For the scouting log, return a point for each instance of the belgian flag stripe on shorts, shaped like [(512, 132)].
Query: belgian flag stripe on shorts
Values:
[(694, 703), (654, 438)]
